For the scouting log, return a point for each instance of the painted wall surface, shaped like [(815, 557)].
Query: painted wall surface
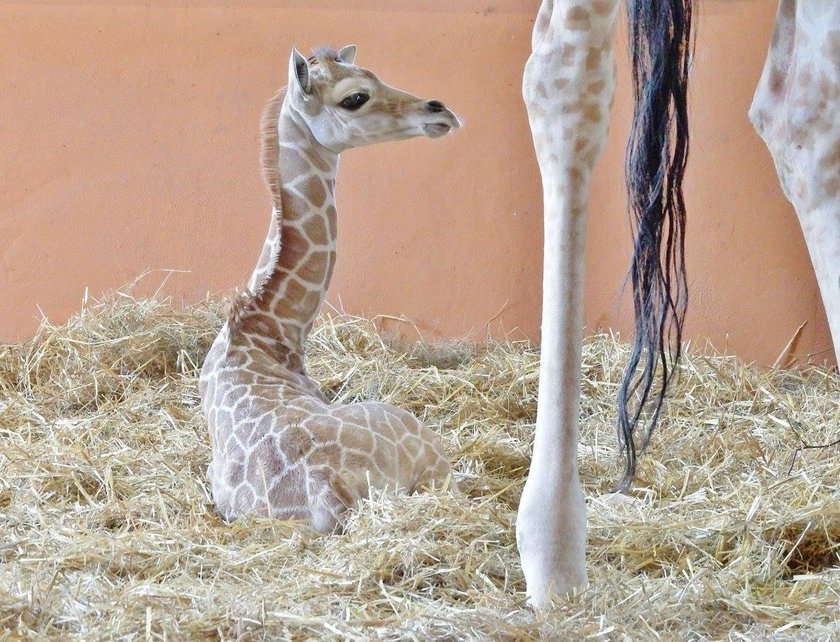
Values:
[(129, 137)]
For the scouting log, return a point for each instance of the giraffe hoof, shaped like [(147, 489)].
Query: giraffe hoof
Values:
[(551, 537)]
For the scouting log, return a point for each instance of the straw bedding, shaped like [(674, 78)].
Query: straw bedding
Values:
[(108, 530)]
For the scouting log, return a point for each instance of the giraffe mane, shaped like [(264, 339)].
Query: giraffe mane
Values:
[(238, 301), (235, 305), (270, 149)]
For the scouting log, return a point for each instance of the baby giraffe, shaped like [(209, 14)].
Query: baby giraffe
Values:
[(280, 449)]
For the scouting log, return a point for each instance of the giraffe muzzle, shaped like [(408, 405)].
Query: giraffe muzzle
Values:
[(444, 120)]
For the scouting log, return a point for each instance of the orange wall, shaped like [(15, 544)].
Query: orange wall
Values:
[(130, 142)]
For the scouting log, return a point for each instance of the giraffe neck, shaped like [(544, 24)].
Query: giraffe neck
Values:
[(294, 270)]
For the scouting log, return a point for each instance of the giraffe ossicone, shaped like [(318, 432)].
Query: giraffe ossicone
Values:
[(280, 449)]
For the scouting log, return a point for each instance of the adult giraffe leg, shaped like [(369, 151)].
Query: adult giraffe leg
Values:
[(796, 111), (568, 87)]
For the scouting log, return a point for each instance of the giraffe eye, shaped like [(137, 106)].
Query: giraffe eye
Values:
[(354, 101)]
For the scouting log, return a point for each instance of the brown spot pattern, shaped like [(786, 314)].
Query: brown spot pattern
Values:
[(578, 19)]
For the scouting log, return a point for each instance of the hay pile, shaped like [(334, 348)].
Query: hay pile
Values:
[(108, 530)]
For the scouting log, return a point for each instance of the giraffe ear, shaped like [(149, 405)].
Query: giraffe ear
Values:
[(298, 72), (347, 54)]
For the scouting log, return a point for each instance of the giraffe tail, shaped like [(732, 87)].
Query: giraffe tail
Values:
[(661, 44)]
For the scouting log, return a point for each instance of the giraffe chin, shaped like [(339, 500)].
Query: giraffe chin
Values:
[(436, 130)]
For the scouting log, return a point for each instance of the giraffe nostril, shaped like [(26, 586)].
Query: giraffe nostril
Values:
[(435, 106)]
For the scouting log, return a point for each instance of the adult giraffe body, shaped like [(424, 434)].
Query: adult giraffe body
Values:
[(568, 86), (796, 111)]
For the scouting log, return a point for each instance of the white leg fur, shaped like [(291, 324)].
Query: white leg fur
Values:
[(568, 87)]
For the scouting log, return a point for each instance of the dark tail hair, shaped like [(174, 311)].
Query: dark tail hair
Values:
[(660, 48)]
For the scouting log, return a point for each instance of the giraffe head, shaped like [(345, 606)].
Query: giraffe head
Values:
[(347, 106)]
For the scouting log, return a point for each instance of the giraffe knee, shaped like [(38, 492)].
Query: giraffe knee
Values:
[(326, 522), (328, 509), (437, 474)]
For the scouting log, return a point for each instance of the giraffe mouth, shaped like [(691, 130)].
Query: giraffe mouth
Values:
[(436, 130)]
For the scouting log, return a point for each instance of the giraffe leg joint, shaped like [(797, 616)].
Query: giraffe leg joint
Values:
[(551, 538)]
